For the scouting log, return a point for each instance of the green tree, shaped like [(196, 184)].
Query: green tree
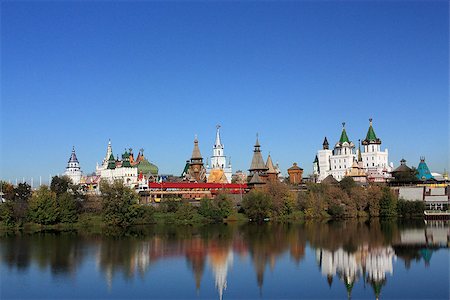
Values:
[(67, 204), (7, 213), (43, 207), (388, 203), (257, 205), (60, 184), (119, 204), (216, 209)]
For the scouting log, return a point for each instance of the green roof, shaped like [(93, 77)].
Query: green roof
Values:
[(147, 167), (371, 136), (111, 162), (344, 137)]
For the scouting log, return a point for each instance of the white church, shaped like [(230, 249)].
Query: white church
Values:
[(339, 161)]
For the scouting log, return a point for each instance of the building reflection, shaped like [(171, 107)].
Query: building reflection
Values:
[(345, 252), (372, 264)]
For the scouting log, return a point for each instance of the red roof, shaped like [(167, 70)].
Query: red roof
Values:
[(194, 185)]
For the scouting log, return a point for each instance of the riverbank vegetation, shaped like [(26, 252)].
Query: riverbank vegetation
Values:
[(61, 205)]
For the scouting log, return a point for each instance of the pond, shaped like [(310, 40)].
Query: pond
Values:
[(373, 259)]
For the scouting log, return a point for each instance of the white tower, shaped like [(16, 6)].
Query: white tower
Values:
[(343, 156), (73, 170), (218, 159), (323, 160)]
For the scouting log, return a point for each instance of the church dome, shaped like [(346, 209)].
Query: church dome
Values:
[(147, 167)]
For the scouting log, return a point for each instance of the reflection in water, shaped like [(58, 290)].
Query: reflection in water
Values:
[(349, 251), (371, 263)]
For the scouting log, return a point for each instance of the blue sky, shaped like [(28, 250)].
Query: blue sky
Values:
[(153, 74)]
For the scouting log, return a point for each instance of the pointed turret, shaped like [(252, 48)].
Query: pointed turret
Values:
[(325, 144), (271, 172), (371, 137), (257, 160), (344, 137), (359, 151), (218, 142), (423, 173), (196, 151), (73, 170), (73, 156), (111, 162)]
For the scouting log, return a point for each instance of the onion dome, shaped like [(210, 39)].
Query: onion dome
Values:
[(294, 167), (147, 167)]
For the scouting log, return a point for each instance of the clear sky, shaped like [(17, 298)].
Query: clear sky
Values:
[(153, 74)]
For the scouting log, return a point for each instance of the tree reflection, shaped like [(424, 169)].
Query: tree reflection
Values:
[(349, 251)]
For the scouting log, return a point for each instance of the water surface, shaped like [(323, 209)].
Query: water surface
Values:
[(387, 260)]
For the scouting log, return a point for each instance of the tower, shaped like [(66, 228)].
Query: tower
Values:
[(271, 172), (218, 160), (257, 168), (196, 170), (323, 161), (73, 170), (374, 160), (343, 155)]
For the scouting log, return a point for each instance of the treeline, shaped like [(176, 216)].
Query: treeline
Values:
[(349, 200), (343, 200), (118, 205)]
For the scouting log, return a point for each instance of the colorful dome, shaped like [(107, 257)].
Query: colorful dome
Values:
[(147, 167)]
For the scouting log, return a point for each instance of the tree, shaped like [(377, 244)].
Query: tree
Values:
[(8, 191), (347, 184), (374, 195), (43, 208), (216, 209), (67, 208), (388, 203), (22, 194), (257, 205), (60, 184), (119, 204)]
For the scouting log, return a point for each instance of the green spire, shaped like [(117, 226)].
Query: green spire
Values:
[(111, 162), (344, 137), (371, 136)]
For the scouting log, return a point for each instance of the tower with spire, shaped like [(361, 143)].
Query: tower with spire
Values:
[(258, 168), (73, 170), (219, 163), (375, 161), (196, 171)]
